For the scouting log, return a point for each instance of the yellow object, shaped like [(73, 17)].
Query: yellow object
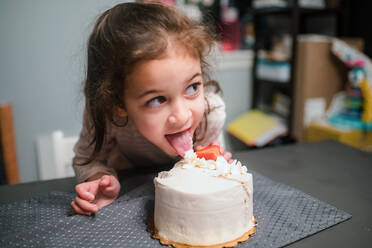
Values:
[(367, 102), (321, 131), (256, 128)]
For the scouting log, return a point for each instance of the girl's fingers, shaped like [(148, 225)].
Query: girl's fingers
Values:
[(105, 181), (215, 143), (82, 191), (110, 192), (85, 206), (78, 210), (108, 189), (227, 155), (198, 147), (222, 150), (112, 188)]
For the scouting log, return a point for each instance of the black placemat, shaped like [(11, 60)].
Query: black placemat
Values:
[(284, 215)]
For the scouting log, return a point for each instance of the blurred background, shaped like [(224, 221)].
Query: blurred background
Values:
[(290, 71)]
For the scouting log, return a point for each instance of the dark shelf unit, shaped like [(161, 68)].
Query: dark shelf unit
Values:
[(286, 11), (296, 15)]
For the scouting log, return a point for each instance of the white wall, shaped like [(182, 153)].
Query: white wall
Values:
[(42, 66), (233, 72), (42, 56)]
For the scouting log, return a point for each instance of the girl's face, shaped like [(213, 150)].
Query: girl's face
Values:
[(164, 98)]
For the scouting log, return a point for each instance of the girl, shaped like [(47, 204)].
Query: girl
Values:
[(148, 100)]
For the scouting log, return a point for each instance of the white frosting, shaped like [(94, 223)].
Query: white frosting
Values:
[(220, 167), (201, 202)]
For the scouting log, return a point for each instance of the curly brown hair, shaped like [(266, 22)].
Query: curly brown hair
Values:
[(125, 35)]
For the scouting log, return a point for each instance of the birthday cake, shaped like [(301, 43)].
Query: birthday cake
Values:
[(204, 201)]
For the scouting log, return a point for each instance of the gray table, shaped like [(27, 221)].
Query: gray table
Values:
[(332, 172)]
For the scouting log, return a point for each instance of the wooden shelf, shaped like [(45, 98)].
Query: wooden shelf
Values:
[(7, 143)]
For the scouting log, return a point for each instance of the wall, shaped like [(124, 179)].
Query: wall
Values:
[(42, 66), (42, 49), (233, 72)]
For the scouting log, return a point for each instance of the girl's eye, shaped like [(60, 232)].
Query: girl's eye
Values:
[(155, 101), (192, 89)]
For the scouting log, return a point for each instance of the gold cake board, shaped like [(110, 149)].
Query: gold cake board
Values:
[(151, 228)]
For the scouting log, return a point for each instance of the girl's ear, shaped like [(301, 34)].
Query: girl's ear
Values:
[(121, 112)]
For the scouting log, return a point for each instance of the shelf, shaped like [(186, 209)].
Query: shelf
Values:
[(268, 75), (327, 11), (287, 11), (272, 11), (275, 71), (276, 83)]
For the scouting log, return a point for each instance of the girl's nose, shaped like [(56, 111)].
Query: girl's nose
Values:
[(180, 113)]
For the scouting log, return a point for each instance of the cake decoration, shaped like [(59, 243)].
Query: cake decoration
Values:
[(209, 152)]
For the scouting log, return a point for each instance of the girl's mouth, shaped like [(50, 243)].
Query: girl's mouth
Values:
[(181, 141)]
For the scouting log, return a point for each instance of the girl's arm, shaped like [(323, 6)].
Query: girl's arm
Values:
[(97, 185), (83, 150)]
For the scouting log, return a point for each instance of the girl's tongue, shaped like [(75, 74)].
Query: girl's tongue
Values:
[(181, 142)]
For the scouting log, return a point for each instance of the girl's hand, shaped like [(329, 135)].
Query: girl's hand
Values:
[(94, 195), (225, 154)]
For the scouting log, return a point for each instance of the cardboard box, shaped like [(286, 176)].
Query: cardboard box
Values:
[(319, 74), (321, 130)]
